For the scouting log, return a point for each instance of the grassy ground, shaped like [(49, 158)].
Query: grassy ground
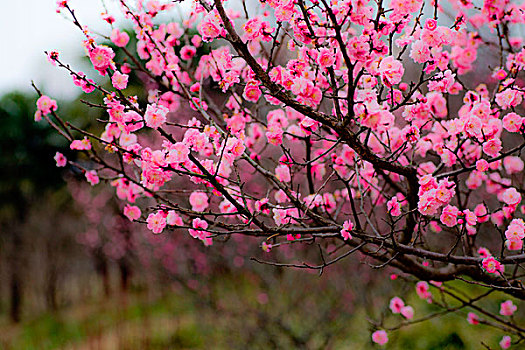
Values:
[(116, 323), (179, 320)]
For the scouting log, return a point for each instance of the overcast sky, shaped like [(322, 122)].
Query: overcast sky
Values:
[(30, 27)]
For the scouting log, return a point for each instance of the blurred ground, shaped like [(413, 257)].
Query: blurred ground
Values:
[(178, 320)]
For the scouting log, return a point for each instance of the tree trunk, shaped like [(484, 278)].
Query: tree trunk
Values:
[(15, 283)]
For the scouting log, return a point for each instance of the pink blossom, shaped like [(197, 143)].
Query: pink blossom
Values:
[(60, 5), (513, 245), (380, 337), (393, 207), (430, 24), (422, 290), (511, 196), (282, 173), (470, 218), (274, 134), (155, 116), (119, 80), (198, 231), (252, 29), (482, 165), (198, 201), (499, 74), (516, 230), (449, 215), (60, 159), (347, 228), (492, 147), (132, 212), (102, 58), (391, 70), (507, 308), (491, 265), (46, 105), (472, 318), (473, 126), (484, 252), (178, 153), (509, 98), (235, 146), (209, 27), (252, 92), (156, 222), (420, 52), (407, 312), (505, 342), (187, 52), (87, 85), (173, 219), (262, 206), (92, 177), (513, 165), (266, 247), (396, 304), (326, 57), (119, 38), (512, 122)]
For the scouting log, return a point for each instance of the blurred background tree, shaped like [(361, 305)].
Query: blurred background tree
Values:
[(28, 174)]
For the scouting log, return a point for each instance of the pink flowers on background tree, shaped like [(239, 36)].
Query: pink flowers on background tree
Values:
[(374, 127)]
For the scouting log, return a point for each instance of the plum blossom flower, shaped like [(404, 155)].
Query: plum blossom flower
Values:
[(396, 304), (472, 318), (509, 98), (505, 342), (266, 247), (430, 24), (449, 216), (420, 52), (262, 206), (92, 177), (46, 105), (482, 165), (326, 57), (155, 116), (119, 38), (347, 227), (491, 265), (60, 159), (407, 312), (173, 219), (380, 337), (102, 58), (391, 70), (187, 52), (132, 212), (198, 231), (156, 222), (511, 196), (512, 122), (492, 147), (178, 153), (252, 92), (282, 173), (513, 165), (119, 80), (516, 230), (198, 201), (423, 290), (507, 308), (393, 207)]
